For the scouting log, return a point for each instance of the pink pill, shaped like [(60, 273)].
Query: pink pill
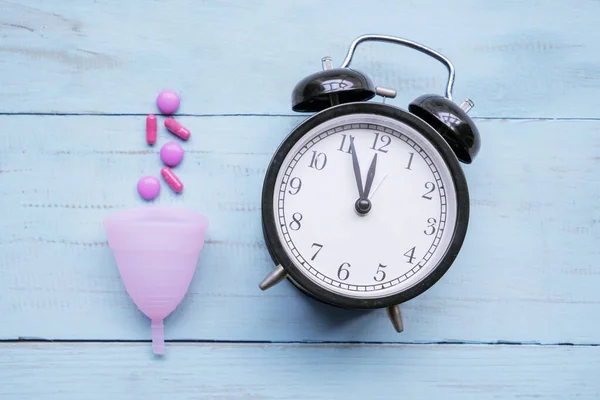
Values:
[(171, 153), (148, 187), (151, 129), (177, 129), (167, 102), (172, 179)]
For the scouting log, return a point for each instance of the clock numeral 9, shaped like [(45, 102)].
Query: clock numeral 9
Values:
[(318, 161), (431, 187), (343, 145), (343, 273), (380, 274), (295, 184), (430, 230), (411, 255), (295, 224), (385, 139)]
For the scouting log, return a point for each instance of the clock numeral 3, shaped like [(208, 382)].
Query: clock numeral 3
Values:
[(295, 224), (344, 273), (320, 246), (430, 230), (343, 145), (380, 274), (385, 139), (318, 161), (411, 255), (295, 186), (431, 187)]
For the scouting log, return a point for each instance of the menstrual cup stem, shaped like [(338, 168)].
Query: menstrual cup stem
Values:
[(158, 337)]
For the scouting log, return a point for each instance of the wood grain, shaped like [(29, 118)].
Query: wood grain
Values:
[(256, 371), (514, 58), (527, 271)]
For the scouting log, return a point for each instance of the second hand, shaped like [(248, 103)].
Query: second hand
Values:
[(377, 187)]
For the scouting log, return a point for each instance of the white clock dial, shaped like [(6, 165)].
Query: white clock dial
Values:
[(408, 228)]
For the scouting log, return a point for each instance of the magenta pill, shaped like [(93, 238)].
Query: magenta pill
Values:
[(148, 187), (177, 129), (167, 102), (172, 179), (151, 129), (171, 153)]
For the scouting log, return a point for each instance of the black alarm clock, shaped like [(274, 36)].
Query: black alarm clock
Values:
[(365, 204)]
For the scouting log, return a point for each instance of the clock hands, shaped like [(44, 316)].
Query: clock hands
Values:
[(377, 187), (356, 168), (370, 176), (363, 204)]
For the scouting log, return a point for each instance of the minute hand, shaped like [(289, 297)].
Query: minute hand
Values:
[(370, 176)]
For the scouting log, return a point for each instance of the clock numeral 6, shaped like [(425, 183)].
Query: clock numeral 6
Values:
[(431, 187), (343, 273), (318, 161), (385, 139), (295, 224), (411, 255), (295, 184), (380, 274), (430, 230)]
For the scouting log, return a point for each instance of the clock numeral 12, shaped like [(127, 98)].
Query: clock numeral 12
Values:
[(380, 274), (411, 255), (343, 145), (385, 139), (343, 273), (318, 161)]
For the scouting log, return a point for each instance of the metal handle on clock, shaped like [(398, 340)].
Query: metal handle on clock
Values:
[(409, 43)]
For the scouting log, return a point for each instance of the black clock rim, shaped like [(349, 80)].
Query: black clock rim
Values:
[(269, 224)]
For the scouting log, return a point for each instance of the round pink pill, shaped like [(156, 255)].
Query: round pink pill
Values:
[(171, 153), (148, 187), (167, 102)]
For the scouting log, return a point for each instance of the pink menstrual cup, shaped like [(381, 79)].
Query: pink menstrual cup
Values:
[(156, 250)]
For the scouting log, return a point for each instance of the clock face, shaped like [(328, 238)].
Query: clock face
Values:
[(406, 232)]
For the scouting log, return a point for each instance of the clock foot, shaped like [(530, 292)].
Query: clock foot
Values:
[(396, 317), (274, 277)]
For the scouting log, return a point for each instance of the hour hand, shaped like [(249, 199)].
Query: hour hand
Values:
[(356, 169)]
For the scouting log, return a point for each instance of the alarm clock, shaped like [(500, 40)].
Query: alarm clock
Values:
[(365, 204)]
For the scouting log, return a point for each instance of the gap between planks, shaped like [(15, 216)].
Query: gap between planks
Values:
[(481, 118), (310, 343)]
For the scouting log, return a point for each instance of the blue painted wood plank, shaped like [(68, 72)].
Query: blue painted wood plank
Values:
[(513, 58), (527, 271), (255, 371)]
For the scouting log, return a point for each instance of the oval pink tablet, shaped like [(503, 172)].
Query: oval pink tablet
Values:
[(148, 187), (177, 129), (151, 129), (171, 153), (172, 179), (167, 102)]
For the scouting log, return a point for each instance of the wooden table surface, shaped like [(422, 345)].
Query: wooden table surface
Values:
[(517, 315)]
